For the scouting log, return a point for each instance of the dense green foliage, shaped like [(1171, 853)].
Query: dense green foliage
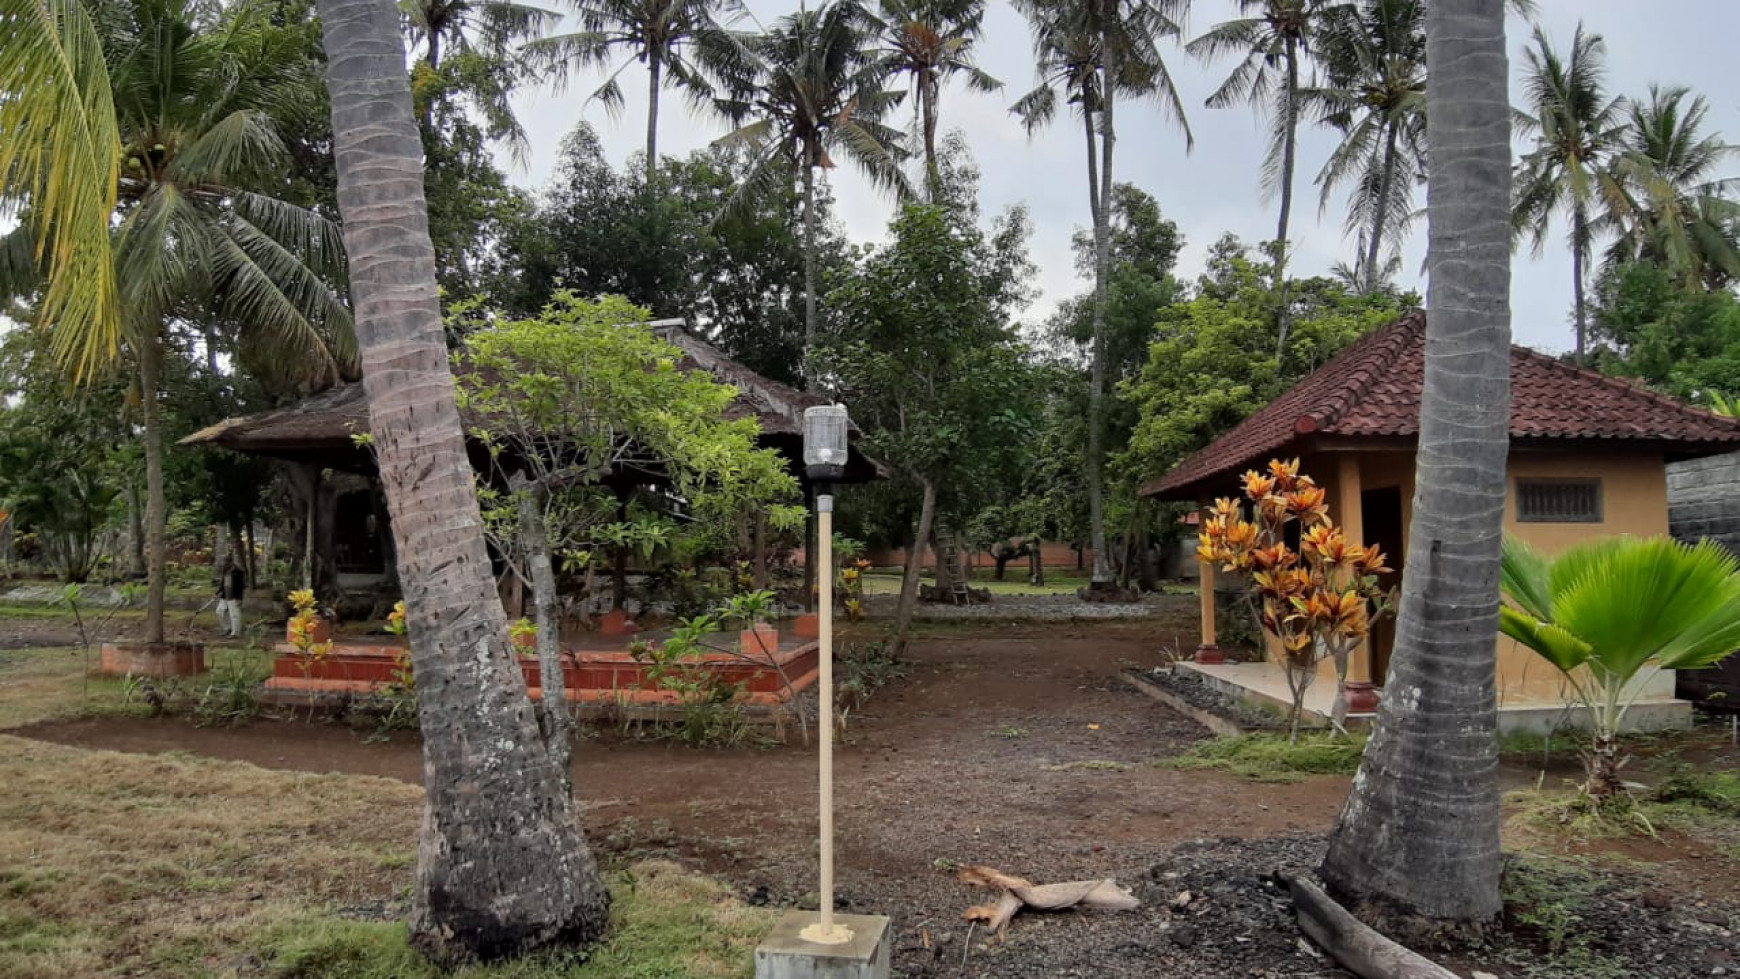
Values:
[(575, 399), (739, 239), (1684, 341), (1213, 360), (736, 276), (924, 350)]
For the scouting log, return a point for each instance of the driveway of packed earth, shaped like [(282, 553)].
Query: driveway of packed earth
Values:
[(1026, 751)]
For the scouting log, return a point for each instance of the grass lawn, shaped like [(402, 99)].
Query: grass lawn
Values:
[(176, 866)]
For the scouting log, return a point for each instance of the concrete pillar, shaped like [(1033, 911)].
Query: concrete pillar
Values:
[(1347, 511)]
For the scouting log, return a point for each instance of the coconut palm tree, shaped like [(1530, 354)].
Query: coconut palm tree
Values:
[(679, 41), (502, 865), (480, 30), (1577, 131), (1373, 92), (1094, 52), (188, 108), (931, 41), (494, 26), (1612, 609), (1271, 39), (810, 87), (1420, 831), (1671, 206)]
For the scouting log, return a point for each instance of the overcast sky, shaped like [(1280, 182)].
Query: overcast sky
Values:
[(1213, 189)]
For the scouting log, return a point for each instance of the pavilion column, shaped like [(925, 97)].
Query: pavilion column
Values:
[(1208, 652), (1362, 695), (311, 479)]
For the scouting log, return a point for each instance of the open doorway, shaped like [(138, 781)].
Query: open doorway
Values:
[(1381, 516)]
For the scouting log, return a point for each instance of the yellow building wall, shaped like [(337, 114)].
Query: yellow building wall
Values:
[(1633, 501)]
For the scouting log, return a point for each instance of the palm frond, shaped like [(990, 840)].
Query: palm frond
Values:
[(242, 144), (158, 250), (265, 287), (60, 151)]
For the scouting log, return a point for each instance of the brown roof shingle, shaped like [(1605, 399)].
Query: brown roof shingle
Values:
[(1372, 389)]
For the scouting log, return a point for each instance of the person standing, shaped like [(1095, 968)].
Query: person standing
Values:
[(232, 585)]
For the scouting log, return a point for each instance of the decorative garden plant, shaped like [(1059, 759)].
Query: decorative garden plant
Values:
[(1609, 612), (1318, 600)]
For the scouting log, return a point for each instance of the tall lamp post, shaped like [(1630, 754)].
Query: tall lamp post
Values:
[(825, 454), (826, 946)]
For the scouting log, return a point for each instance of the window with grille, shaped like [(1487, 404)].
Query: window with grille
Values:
[(1558, 501)]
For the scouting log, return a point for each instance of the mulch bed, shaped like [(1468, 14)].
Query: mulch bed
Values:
[(1190, 688), (1213, 908)]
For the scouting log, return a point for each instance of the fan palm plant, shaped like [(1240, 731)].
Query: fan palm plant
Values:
[(931, 41), (1577, 131), (1610, 611), (1094, 52), (1271, 39), (1671, 207), (809, 87), (679, 41), (1373, 92), (150, 201)]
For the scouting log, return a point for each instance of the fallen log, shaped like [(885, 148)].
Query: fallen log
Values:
[(1017, 893), (1357, 946)]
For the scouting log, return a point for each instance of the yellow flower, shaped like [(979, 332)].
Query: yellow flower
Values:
[(303, 599), (396, 620)]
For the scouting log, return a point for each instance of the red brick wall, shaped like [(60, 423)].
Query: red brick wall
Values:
[(1052, 554)]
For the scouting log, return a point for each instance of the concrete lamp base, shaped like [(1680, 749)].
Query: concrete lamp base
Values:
[(787, 955)]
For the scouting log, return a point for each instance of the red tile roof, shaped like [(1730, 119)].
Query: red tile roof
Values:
[(1372, 389)]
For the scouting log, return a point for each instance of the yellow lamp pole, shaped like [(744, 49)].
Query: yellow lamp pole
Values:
[(825, 454)]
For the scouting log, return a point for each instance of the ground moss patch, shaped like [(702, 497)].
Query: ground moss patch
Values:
[(1273, 758)]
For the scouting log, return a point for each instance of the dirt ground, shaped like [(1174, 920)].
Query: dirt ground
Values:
[(1024, 751)]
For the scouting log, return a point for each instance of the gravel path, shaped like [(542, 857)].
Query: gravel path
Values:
[(1042, 608)]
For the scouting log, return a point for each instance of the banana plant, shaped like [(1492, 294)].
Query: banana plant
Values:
[(1611, 611)]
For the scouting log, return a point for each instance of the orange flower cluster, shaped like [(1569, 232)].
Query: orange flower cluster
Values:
[(301, 631), (1317, 595)]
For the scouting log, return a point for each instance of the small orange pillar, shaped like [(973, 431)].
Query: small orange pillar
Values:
[(1208, 652), (1362, 695)]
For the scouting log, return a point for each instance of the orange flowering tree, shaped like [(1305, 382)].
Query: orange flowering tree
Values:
[(1317, 591)]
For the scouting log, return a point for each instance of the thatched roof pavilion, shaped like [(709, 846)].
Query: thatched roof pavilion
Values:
[(320, 430)]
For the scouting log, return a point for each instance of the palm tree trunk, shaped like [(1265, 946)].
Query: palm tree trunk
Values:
[(1579, 244), (1289, 158), (1093, 171), (434, 62), (1420, 831), (156, 503), (655, 80), (1096, 448), (554, 719), (927, 95), (909, 581), (1386, 180), (135, 530), (810, 234), (502, 865)]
